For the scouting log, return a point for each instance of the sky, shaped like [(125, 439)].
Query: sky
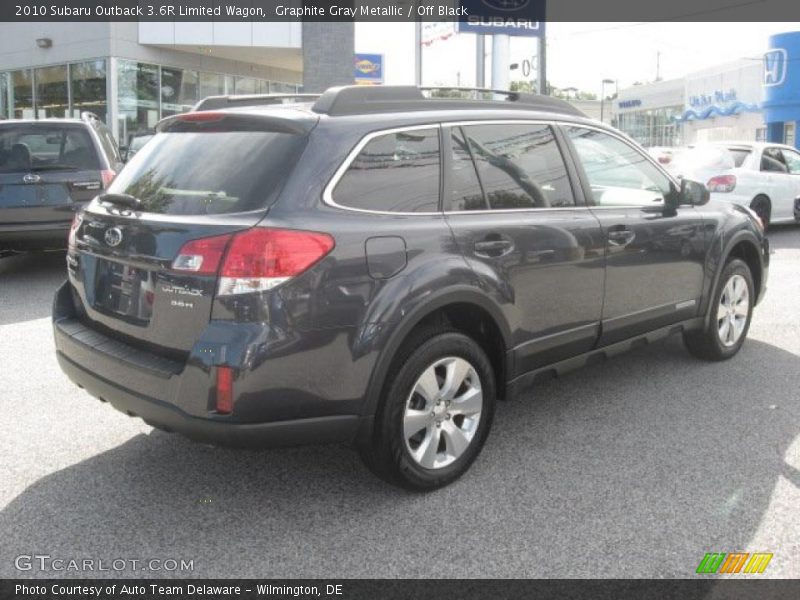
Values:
[(579, 55)]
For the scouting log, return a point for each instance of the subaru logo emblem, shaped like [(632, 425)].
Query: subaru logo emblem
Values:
[(506, 5), (31, 178), (113, 236), (774, 67)]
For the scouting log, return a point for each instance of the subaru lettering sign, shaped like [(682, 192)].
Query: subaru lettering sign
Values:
[(368, 69), (774, 67), (509, 17)]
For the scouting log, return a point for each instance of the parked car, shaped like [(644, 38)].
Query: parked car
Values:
[(380, 267), (762, 176), (50, 168)]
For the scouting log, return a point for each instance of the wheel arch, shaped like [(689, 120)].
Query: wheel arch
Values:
[(464, 309), (744, 246)]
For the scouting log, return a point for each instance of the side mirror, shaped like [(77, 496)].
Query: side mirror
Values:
[(123, 153), (693, 193)]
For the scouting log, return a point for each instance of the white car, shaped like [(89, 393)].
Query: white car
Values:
[(762, 176)]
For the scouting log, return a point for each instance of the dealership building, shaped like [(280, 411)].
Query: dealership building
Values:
[(133, 74), (756, 99)]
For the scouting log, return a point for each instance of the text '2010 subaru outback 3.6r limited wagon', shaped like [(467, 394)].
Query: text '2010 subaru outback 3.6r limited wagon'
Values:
[(381, 267)]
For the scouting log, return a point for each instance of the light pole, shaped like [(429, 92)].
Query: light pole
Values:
[(603, 96)]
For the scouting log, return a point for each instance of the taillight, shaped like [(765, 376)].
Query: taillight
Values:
[(107, 176), (224, 399), (721, 183), (73, 230), (260, 259), (201, 256), (201, 117)]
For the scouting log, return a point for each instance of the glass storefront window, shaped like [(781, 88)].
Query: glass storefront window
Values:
[(211, 84), (179, 90), (652, 127), (138, 96), (88, 83), (52, 92), (283, 88), (20, 94), (246, 85), (3, 95)]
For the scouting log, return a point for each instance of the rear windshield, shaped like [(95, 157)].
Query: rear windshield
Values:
[(210, 172), (43, 146)]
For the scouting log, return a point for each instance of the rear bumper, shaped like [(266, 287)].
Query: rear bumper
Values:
[(178, 396), (34, 236), (164, 416)]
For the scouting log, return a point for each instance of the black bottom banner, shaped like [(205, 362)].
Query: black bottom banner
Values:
[(412, 589)]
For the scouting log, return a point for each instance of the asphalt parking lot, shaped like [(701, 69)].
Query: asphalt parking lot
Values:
[(632, 468)]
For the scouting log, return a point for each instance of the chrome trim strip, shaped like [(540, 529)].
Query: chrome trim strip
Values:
[(327, 194)]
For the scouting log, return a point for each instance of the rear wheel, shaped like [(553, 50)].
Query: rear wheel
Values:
[(731, 312), (436, 415), (763, 208)]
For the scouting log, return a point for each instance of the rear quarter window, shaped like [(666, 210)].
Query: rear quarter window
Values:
[(394, 172), (210, 172)]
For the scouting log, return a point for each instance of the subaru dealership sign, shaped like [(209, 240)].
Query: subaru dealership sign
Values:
[(509, 17)]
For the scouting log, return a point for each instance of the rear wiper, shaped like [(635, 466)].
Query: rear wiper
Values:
[(125, 200)]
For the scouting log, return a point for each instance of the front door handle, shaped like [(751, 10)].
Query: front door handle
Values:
[(621, 237), (493, 248)]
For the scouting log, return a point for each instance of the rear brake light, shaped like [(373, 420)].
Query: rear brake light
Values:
[(201, 117), (224, 399), (260, 259), (73, 230), (108, 176), (722, 183), (202, 256)]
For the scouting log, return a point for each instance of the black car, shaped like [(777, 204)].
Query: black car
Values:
[(380, 266), (50, 168)]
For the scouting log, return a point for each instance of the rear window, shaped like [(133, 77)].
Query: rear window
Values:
[(210, 172), (40, 147), (739, 155)]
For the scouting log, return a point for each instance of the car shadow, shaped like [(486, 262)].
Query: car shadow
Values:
[(632, 468), (28, 283)]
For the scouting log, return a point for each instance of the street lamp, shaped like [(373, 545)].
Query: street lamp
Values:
[(603, 95)]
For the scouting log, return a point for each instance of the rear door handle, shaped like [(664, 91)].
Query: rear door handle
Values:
[(493, 248), (621, 237)]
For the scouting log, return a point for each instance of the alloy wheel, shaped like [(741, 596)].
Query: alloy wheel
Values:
[(733, 309), (442, 412)]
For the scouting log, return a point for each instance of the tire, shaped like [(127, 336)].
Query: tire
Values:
[(718, 341), (450, 434), (763, 208)]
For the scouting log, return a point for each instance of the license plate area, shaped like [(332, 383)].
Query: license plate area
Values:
[(124, 291)]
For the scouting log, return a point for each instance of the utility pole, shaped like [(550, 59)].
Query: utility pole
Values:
[(480, 60), (418, 53), (658, 65), (541, 64)]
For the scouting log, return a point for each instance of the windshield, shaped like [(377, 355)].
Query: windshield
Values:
[(739, 154), (45, 146), (210, 172)]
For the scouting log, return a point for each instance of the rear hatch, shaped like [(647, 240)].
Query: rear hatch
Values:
[(44, 169), (204, 175)]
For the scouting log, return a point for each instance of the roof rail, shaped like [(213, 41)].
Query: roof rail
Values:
[(359, 99), (216, 102)]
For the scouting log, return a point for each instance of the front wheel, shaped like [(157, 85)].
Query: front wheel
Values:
[(731, 313), (436, 414)]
